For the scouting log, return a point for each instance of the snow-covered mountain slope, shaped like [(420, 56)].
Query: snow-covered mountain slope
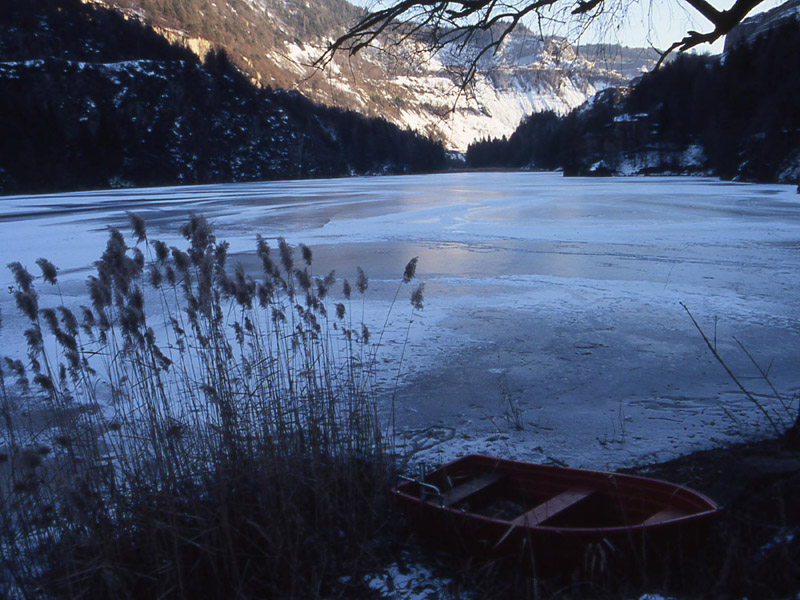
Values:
[(277, 43), (427, 98)]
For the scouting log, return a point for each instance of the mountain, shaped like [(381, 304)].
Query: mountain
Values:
[(735, 117), (90, 99), (277, 41)]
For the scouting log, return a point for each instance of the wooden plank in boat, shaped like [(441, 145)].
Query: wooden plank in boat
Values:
[(466, 489), (667, 514), (553, 506)]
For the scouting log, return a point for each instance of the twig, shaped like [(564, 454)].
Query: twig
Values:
[(730, 373)]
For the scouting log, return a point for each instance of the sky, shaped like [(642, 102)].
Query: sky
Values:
[(656, 23)]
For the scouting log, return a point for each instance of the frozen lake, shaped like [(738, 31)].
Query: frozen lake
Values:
[(552, 301)]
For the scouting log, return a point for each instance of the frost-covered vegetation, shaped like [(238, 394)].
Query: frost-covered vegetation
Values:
[(195, 432)]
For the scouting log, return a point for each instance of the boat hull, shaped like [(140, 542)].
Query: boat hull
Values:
[(555, 519)]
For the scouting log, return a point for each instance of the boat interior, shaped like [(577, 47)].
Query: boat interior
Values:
[(551, 502)]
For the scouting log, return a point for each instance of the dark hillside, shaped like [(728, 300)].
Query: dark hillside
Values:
[(89, 99), (71, 30)]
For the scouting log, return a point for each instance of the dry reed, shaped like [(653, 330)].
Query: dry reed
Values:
[(208, 433)]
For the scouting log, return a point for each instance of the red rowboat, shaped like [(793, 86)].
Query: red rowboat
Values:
[(555, 518)]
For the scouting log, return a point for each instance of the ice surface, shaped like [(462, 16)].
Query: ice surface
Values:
[(552, 303)]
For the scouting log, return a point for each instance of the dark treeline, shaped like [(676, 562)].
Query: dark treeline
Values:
[(89, 99), (741, 112)]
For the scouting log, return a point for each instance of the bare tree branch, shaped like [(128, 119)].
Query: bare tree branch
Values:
[(459, 23), (585, 7), (723, 21), (705, 9)]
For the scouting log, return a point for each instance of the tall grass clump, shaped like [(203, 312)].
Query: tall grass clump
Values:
[(193, 432)]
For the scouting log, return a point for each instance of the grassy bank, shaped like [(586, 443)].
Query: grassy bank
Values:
[(194, 431)]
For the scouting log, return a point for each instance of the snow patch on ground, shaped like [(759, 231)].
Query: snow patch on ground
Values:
[(409, 581), (791, 169), (662, 160)]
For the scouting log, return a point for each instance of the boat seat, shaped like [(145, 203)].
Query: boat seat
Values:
[(553, 506), (464, 490), (664, 515)]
